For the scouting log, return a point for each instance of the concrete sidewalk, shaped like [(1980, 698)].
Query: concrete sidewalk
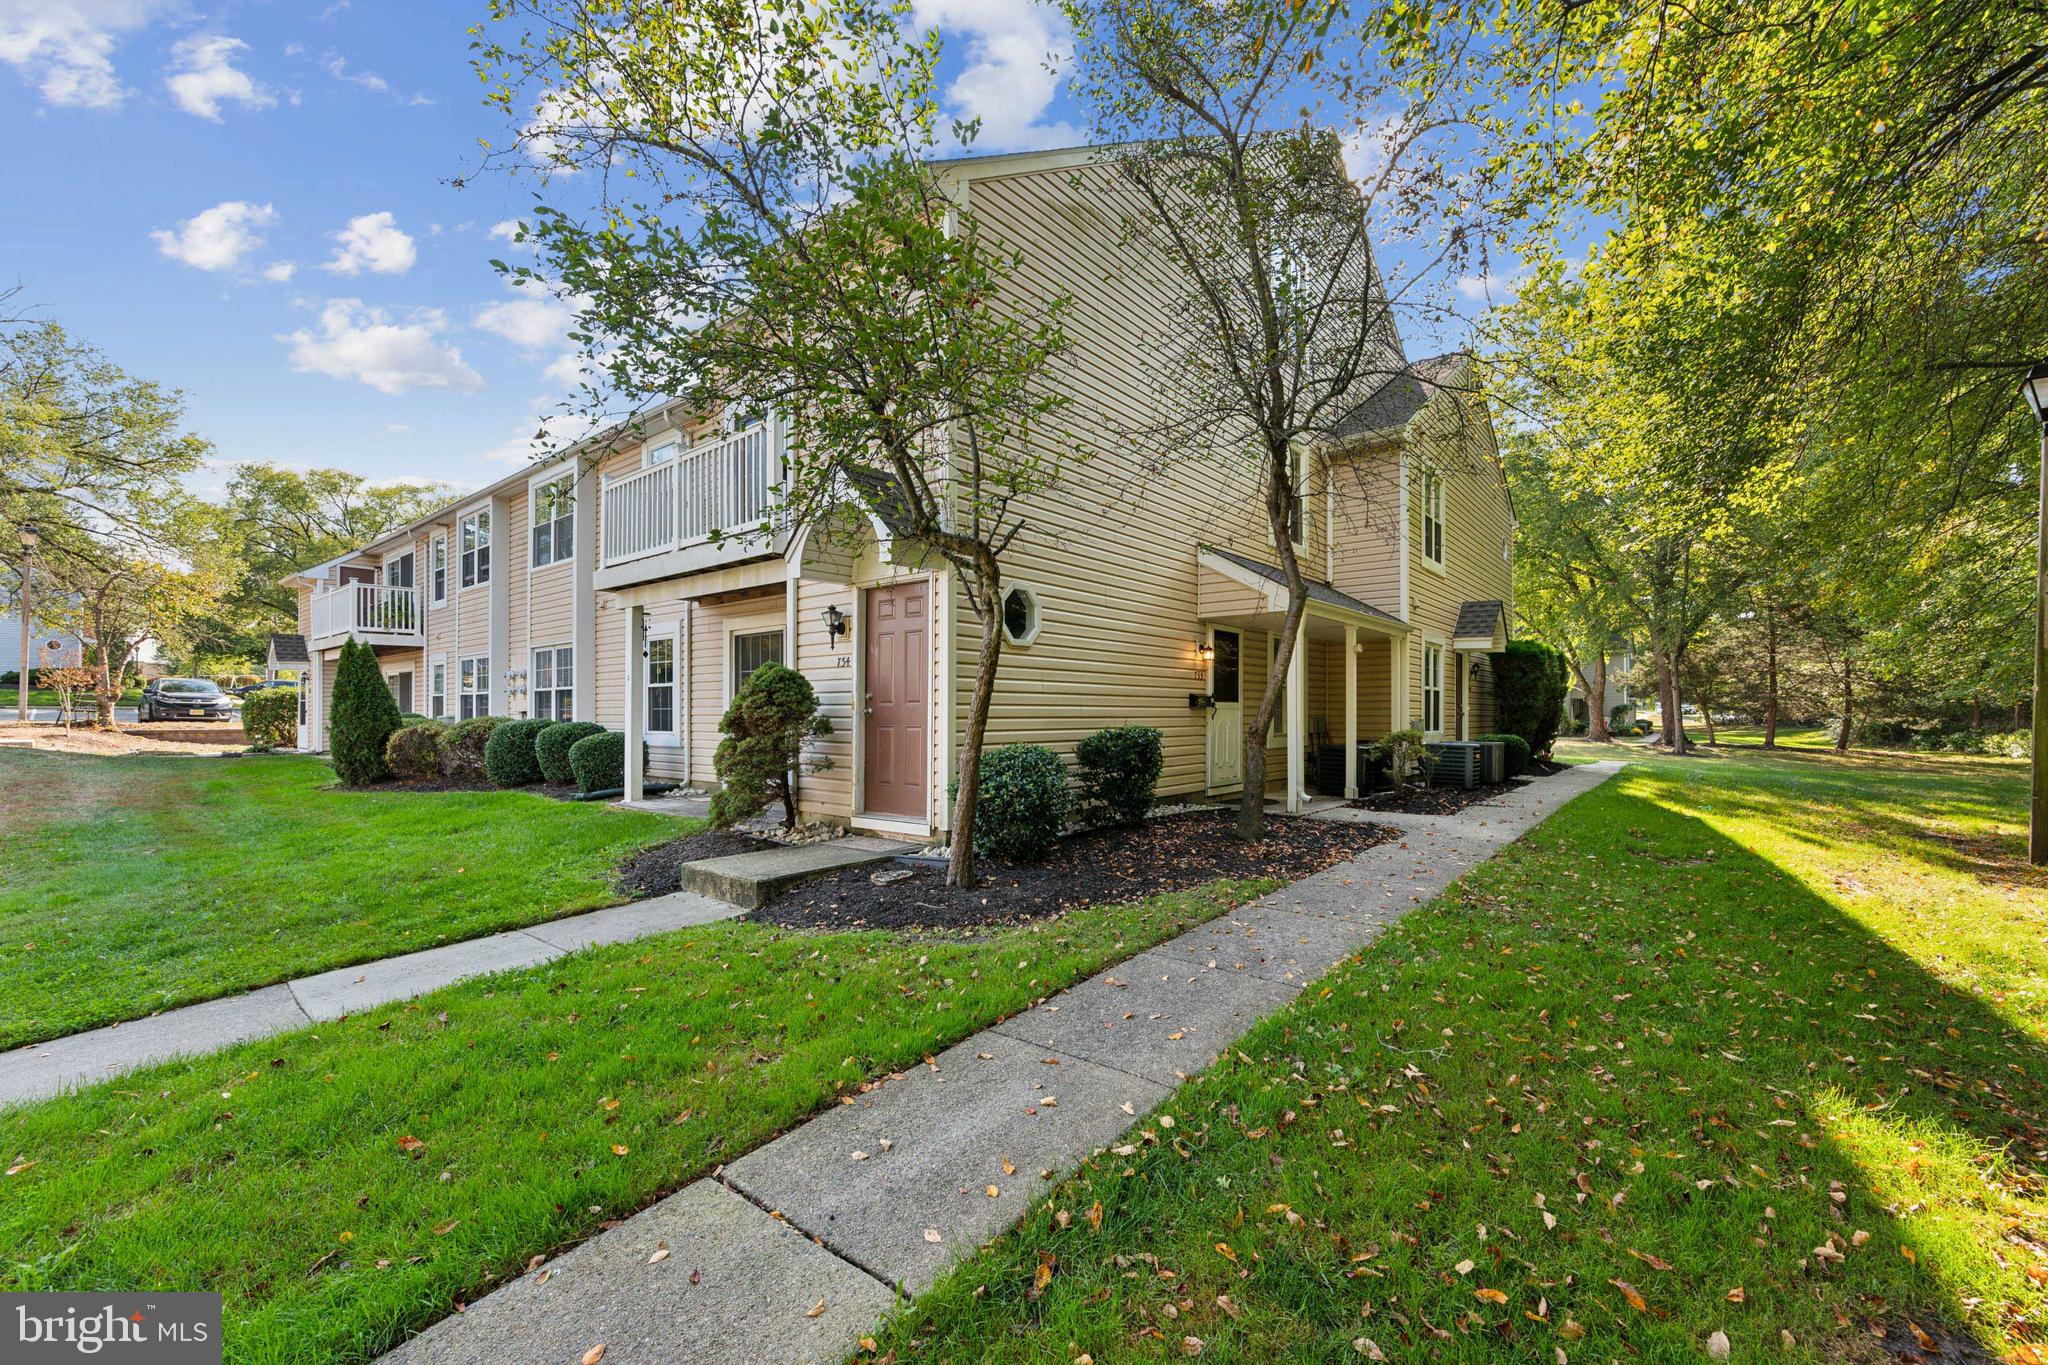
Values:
[(41, 1070), (795, 1250)]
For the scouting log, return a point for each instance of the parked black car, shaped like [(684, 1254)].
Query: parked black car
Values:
[(184, 699)]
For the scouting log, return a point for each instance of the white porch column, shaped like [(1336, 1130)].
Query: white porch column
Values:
[(1351, 713), (1297, 718), (636, 701)]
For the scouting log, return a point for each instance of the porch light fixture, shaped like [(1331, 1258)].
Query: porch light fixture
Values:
[(2035, 388), (835, 622), (1205, 651)]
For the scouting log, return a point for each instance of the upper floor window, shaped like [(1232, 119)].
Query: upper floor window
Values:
[(1433, 517), (437, 570), (661, 451), (474, 534), (1297, 502), (398, 571), (554, 521)]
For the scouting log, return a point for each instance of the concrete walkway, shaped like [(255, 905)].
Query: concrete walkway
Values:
[(797, 1249), (41, 1070)]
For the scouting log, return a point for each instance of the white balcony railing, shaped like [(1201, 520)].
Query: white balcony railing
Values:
[(367, 611), (726, 487)]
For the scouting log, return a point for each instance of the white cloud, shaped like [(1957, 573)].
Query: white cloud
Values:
[(533, 321), (355, 342), (1493, 286), (202, 76), (543, 432), (218, 238), (280, 272), (65, 48), (337, 67), (508, 232), (372, 241), (1014, 49)]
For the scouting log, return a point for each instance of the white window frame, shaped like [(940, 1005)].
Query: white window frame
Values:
[(1037, 607), (473, 686), (1433, 688), (672, 737), (1297, 512), (437, 568), (391, 562), (1433, 518), (561, 685), (764, 625), (473, 548), (564, 519), (437, 687), (661, 450)]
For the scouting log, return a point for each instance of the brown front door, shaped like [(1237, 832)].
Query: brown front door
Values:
[(897, 751)]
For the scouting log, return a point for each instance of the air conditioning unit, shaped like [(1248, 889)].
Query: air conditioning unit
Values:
[(1493, 768), (1456, 763)]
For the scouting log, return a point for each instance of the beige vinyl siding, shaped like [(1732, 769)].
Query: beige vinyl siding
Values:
[(509, 549), (305, 612), (1367, 526), (828, 794)]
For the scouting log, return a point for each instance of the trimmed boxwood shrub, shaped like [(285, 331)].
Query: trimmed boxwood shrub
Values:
[(462, 747), (414, 751), (552, 748), (1023, 803), (271, 718), (599, 761), (364, 716), (1517, 751), (508, 754), (1529, 689), (1120, 766)]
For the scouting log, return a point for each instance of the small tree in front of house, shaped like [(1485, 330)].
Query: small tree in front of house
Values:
[(362, 718), (70, 682), (772, 717)]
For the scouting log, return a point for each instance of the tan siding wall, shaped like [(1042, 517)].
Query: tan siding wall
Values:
[(305, 612), (828, 794), (1367, 521), (510, 555)]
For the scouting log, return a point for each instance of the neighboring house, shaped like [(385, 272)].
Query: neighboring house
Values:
[(1619, 668), (49, 647), (591, 587)]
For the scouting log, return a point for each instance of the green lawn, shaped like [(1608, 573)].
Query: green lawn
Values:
[(346, 1185), (10, 697), (1744, 1043), (129, 885)]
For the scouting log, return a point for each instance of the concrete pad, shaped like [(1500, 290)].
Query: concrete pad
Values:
[(350, 990), (675, 803), (44, 1069), (636, 919), (1160, 1015), (751, 880), (949, 1127), (757, 1278), (1275, 944)]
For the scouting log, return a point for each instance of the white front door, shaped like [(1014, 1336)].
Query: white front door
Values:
[(1226, 717)]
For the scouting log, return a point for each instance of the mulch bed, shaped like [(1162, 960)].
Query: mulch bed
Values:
[(1420, 800), (1104, 866), (653, 870)]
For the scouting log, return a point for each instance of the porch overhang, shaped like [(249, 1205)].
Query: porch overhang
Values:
[(1482, 627), (1233, 591)]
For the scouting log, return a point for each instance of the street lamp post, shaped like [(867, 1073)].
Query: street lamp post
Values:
[(2036, 389), (30, 538)]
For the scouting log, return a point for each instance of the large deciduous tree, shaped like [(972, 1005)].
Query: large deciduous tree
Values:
[(763, 225)]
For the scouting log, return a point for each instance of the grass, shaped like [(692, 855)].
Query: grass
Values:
[(130, 885), (344, 1186), (10, 697), (1744, 1043)]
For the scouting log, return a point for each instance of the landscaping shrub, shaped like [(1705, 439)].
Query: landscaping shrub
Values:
[(1529, 687), (462, 746), (771, 717), (552, 748), (1023, 803), (271, 718), (412, 718), (508, 754), (414, 751), (1120, 766), (363, 718), (1619, 717), (1517, 751), (1405, 754), (599, 762)]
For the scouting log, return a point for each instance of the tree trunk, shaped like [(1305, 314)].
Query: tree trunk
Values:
[(1251, 802), (1596, 696), (1707, 715), (1770, 679), (960, 869), (1848, 706)]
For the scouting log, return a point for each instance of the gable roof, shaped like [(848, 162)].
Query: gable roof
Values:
[(1481, 618), (1317, 591), (1390, 407), (289, 649)]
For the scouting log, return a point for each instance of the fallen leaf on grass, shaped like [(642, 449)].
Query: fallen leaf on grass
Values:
[(18, 1167), (1042, 1276), (408, 1143), (1628, 1291), (1223, 1250), (1464, 1267), (1489, 1296), (1717, 1346), (1736, 1295), (447, 1227), (1655, 1263)]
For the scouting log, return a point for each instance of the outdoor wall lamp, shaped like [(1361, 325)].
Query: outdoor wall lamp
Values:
[(835, 622), (1205, 651)]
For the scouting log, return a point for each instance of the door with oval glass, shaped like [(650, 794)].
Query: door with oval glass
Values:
[(1226, 717)]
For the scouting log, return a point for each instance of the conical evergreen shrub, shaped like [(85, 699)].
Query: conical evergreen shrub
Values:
[(364, 715)]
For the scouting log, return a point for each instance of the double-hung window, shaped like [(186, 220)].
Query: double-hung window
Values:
[(475, 680), (554, 684), (661, 685), (1432, 689), (1433, 517), (437, 569), (437, 690), (752, 649), (474, 535), (554, 521)]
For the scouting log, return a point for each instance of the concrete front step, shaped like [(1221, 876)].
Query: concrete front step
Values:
[(751, 880)]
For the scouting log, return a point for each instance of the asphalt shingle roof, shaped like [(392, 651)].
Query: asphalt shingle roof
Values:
[(1393, 403), (289, 649), (1479, 618), (1317, 591)]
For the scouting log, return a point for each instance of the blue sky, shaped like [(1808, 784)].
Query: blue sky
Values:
[(252, 201)]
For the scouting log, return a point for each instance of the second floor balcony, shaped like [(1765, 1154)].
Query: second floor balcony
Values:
[(374, 613), (705, 504)]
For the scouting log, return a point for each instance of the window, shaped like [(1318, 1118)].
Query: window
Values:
[(554, 521), (475, 681), (751, 650), (661, 451), (437, 691), (554, 684), (1433, 517), (398, 571), (1297, 503), (475, 533), (661, 685), (1020, 615), (438, 570), (1432, 689), (1224, 680)]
